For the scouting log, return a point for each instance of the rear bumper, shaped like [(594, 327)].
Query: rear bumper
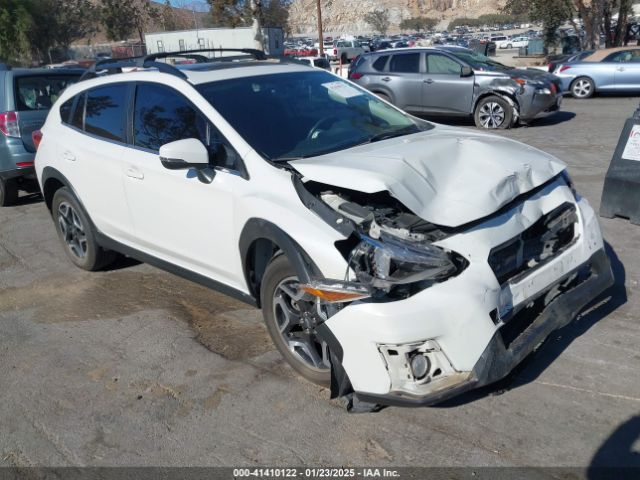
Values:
[(22, 172), (497, 360)]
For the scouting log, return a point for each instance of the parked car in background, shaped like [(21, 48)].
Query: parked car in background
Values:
[(557, 60), (397, 261), (457, 81), (515, 42), (346, 50), (318, 62), (605, 70), (26, 95)]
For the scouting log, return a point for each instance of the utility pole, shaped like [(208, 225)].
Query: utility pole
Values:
[(320, 35)]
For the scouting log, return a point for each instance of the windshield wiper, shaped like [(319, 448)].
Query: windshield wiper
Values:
[(408, 130)]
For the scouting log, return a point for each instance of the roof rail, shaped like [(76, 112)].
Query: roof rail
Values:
[(115, 65), (257, 54)]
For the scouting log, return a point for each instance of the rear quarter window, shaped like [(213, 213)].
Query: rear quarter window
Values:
[(380, 63), (40, 92)]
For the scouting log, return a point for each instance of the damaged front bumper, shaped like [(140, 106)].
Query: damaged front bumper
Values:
[(497, 360), (539, 103), (472, 329)]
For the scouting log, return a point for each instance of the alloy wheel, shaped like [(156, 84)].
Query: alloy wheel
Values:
[(491, 115), (582, 88), (295, 320), (72, 230)]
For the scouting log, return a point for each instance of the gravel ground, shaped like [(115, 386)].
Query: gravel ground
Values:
[(137, 367)]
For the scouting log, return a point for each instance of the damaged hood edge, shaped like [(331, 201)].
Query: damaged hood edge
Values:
[(447, 176)]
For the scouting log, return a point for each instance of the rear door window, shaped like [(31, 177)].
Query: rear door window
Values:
[(105, 111), (40, 92), (405, 63)]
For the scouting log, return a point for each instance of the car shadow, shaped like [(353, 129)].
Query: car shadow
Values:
[(616, 458), (555, 119), (29, 198), (538, 361), (121, 262)]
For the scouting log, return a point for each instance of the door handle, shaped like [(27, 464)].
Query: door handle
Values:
[(133, 172), (429, 81), (386, 79), (67, 155)]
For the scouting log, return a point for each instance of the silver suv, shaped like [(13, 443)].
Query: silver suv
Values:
[(458, 81)]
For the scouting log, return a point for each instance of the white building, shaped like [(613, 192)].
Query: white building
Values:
[(241, 37)]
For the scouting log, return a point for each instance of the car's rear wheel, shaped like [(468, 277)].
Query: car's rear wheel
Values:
[(290, 320), (76, 233), (8, 192), (344, 59), (493, 112), (582, 87)]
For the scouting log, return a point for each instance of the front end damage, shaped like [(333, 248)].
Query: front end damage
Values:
[(435, 311), (531, 94)]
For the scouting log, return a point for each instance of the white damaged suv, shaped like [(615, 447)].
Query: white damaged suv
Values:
[(399, 261)]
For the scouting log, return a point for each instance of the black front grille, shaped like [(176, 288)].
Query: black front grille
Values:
[(551, 234)]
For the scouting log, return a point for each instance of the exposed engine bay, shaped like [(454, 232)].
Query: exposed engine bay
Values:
[(390, 249)]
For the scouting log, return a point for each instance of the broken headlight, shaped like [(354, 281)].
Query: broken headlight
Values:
[(388, 261)]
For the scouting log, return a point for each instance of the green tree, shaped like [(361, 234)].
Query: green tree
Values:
[(378, 20), (229, 13), (418, 23), (15, 24), (275, 13), (121, 18)]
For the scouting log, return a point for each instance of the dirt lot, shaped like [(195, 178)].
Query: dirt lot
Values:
[(138, 367)]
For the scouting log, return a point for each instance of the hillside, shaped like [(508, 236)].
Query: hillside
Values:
[(346, 16)]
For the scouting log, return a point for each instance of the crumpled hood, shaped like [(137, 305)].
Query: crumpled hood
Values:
[(447, 176)]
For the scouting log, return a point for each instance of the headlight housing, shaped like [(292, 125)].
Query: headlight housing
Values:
[(388, 261)]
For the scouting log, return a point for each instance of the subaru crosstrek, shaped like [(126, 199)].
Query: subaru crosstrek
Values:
[(396, 260)]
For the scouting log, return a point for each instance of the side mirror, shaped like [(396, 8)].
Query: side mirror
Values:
[(466, 71), (186, 154)]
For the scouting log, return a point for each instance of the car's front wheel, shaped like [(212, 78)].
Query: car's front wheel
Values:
[(582, 87), (76, 233), (493, 112), (290, 318)]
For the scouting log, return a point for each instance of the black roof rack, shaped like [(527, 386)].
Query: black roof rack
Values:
[(115, 65)]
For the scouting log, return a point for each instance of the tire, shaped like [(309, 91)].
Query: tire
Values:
[(493, 113), (582, 87), (8, 192), (384, 97), (76, 233), (275, 305), (509, 47), (343, 59)]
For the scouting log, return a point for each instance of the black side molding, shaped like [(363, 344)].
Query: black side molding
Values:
[(111, 244)]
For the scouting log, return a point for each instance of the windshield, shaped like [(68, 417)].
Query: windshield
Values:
[(479, 61), (287, 116)]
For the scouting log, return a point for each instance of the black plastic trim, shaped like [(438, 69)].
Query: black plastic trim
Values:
[(256, 229), (343, 225), (109, 243)]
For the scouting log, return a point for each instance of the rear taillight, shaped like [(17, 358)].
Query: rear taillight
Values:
[(564, 68), (9, 124), (335, 51), (356, 76), (36, 136)]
